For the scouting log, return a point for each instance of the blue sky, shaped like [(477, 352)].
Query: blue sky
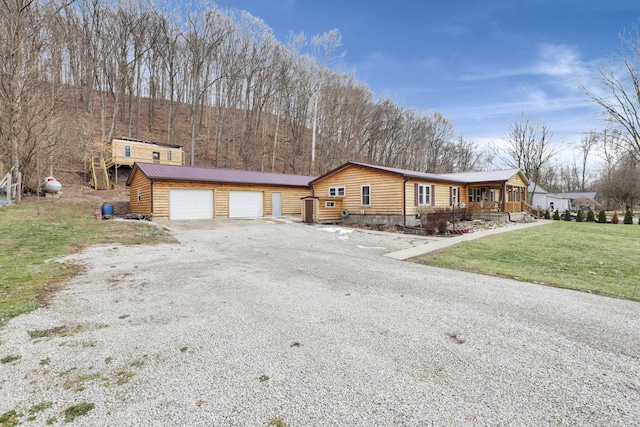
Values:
[(481, 63)]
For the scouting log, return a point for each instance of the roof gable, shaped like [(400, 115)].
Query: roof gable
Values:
[(188, 173)]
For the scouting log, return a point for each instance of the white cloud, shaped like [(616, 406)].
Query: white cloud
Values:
[(558, 60), (551, 60)]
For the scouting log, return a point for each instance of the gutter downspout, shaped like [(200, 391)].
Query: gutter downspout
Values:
[(152, 198), (404, 201)]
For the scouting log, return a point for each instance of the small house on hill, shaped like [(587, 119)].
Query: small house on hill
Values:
[(124, 152), (183, 192), (382, 194)]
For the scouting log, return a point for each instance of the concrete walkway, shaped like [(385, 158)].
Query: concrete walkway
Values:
[(450, 241)]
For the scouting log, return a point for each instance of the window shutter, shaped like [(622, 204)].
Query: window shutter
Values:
[(459, 195), (415, 194), (450, 196), (433, 195)]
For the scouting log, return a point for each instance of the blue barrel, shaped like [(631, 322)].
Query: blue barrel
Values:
[(107, 209)]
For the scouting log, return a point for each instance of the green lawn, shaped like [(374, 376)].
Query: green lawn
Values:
[(28, 240), (590, 257)]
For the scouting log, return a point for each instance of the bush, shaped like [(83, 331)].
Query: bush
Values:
[(591, 217), (567, 215), (579, 217), (547, 215), (435, 219), (614, 218), (628, 217), (556, 215), (602, 217)]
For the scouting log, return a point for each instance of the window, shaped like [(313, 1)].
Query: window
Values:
[(139, 196), (337, 191), (476, 194), (127, 151), (329, 204), (453, 195), (169, 155), (365, 195), (156, 156), (424, 194)]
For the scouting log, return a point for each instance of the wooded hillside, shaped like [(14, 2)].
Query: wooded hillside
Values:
[(76, 74)]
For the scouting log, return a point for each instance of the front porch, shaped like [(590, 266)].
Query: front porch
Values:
[(499, 197)]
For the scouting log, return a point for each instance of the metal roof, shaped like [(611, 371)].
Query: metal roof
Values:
[(187, 173), (404, 172), (461, 178), (484, 176)]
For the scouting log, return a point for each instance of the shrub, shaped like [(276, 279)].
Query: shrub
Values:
[(602, 217), (547, 215), (614, 218), (556, 215), (628, 217), (579, 217), (591, 217), (567, 215), (435, 219)]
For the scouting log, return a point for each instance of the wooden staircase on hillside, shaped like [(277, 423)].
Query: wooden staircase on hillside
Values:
[(100, 174)]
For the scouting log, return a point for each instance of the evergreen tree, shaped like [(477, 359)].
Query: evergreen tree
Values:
[(602, 217), (579, 216), (628, 217), (556, 215), (591, 217), (547, 215), (567, 215)]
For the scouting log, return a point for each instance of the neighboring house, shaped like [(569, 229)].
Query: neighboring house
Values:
[(182, 192), (125, 152), (383, 194), (542, 199)]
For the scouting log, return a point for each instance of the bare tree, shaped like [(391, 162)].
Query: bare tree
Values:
[(580, 170), (621, 87), (27, 104), (528, 147)]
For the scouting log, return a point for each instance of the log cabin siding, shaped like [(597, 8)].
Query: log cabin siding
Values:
[(440, 195), (143, 152), (140, 183), (290, 196), (386, 191), (517, 181)]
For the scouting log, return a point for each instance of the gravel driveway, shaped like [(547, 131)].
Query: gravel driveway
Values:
[(252, 323)]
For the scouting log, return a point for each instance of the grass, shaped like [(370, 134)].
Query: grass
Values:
[(10, 419), (10, 358), (589, 257), (75, 411), (30, 240)]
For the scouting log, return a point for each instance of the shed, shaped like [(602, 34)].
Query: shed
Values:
[(183, 192)]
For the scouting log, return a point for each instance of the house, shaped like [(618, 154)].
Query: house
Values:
[(124, 152), (381, 194), (542, 199), (182, 192)]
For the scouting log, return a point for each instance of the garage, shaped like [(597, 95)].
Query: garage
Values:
[(246, 204), (190, 204)]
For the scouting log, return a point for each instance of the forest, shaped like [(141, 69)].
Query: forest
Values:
[(218, 83)]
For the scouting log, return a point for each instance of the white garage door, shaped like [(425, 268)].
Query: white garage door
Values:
[(245, 204), (190, 204)]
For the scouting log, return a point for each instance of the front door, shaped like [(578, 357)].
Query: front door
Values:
[(308, 211), (276, 204)]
